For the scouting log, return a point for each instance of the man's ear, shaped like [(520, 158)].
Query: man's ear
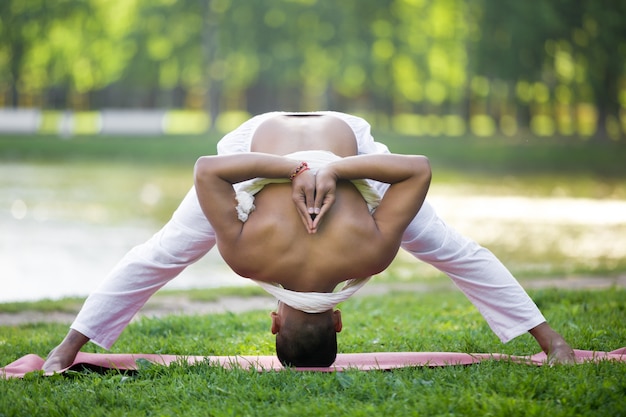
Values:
[(275, 324), (337, 320)]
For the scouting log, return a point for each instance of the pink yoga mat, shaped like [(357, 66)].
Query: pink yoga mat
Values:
[(360, 361)]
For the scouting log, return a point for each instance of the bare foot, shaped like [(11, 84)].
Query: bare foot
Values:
[(63, 356)]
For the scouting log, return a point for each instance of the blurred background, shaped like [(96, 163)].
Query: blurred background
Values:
[(105, 105)]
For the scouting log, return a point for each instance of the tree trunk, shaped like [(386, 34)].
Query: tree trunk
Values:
[(210, 43)]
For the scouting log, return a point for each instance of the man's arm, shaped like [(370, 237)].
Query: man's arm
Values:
[(64, 354), (214, 177), (408, 175)]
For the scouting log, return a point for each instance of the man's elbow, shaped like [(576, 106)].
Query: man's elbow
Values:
[(422, 169), (202, 169)]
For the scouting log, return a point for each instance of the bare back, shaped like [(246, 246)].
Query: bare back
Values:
[(275, 247)]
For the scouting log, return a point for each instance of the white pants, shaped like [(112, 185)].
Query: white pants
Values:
[(188, 236)]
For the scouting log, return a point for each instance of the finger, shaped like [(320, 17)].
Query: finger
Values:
[(320, 196), (307, 190), (304, 189), (325, 206), (307, 221), (310, 201), (303, 211)]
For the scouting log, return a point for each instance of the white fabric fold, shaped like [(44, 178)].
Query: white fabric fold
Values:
[(245, 191), (313, 302), (245, 205)]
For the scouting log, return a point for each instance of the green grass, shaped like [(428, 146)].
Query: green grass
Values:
[(73, 304), (68, 304), (433, 321), (439, 321), (213, 294), (467, 155), (162, 150), (540, 167), (573, 167)]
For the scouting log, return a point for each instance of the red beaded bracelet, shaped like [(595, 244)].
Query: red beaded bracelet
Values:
[(299, 170)]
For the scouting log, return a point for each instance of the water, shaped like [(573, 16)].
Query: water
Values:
[(63, 227), (55, 259)]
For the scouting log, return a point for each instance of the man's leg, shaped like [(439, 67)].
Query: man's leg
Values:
[(146, 268), (140, 273), (485, 281)]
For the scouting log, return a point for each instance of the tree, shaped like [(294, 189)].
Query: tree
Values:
[(24, 36)]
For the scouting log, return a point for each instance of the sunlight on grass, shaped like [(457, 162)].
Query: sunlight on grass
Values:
[(433, 321)]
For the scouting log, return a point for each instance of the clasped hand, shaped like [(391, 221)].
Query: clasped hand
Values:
[(313, 196)]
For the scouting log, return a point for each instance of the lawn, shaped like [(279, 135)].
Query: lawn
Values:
[(531, 155), (432, 321), (437, 321)]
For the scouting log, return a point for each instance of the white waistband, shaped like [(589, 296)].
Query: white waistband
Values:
[(313, 302)]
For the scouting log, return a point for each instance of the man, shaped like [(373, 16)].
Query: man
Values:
[(188, 236), (341, 239)]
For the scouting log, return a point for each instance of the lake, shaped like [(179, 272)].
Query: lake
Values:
[(64, 226)]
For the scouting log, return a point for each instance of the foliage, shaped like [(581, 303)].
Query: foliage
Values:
[(427, 322), (554, 67)]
